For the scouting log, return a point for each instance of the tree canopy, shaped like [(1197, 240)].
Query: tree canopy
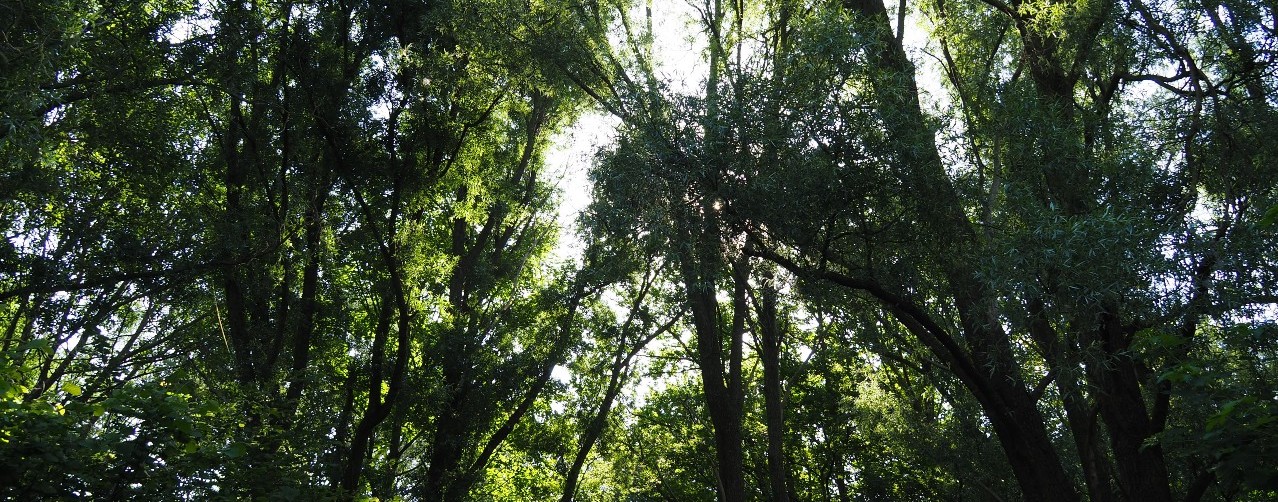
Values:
[(938, 250)]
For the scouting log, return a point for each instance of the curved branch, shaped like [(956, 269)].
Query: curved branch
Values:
[(918, 322)]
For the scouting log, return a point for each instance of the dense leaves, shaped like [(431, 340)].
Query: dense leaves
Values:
[(945, 250)]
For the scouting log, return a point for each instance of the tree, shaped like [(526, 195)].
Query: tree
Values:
[(1040, 245), (353, 196), (303, 250)]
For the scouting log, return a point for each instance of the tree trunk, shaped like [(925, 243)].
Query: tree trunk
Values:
[(449, 436), (1142, 473), (1080, 416), (725, 414), (722, 389), (997, 386), (595, 429), (772, 392)]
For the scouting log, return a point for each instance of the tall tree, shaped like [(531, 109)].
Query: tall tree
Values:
[(1044, 229), (354, 197)]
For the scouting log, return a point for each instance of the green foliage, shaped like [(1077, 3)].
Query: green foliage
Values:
[(304, 251), (142, 441), (1226, 418)]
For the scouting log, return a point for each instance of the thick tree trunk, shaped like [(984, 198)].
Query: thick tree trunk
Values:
[(234, 254), (701, 267), (725, 414), (452, 426), (1078, 413), (384, 489), (1029, 450), (723, 392), (450, 434), (986, 369), (336, 460), (772, 393), (301, 353), (1142, 472)]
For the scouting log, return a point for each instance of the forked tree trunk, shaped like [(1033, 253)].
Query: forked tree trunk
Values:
[(770, 354)]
